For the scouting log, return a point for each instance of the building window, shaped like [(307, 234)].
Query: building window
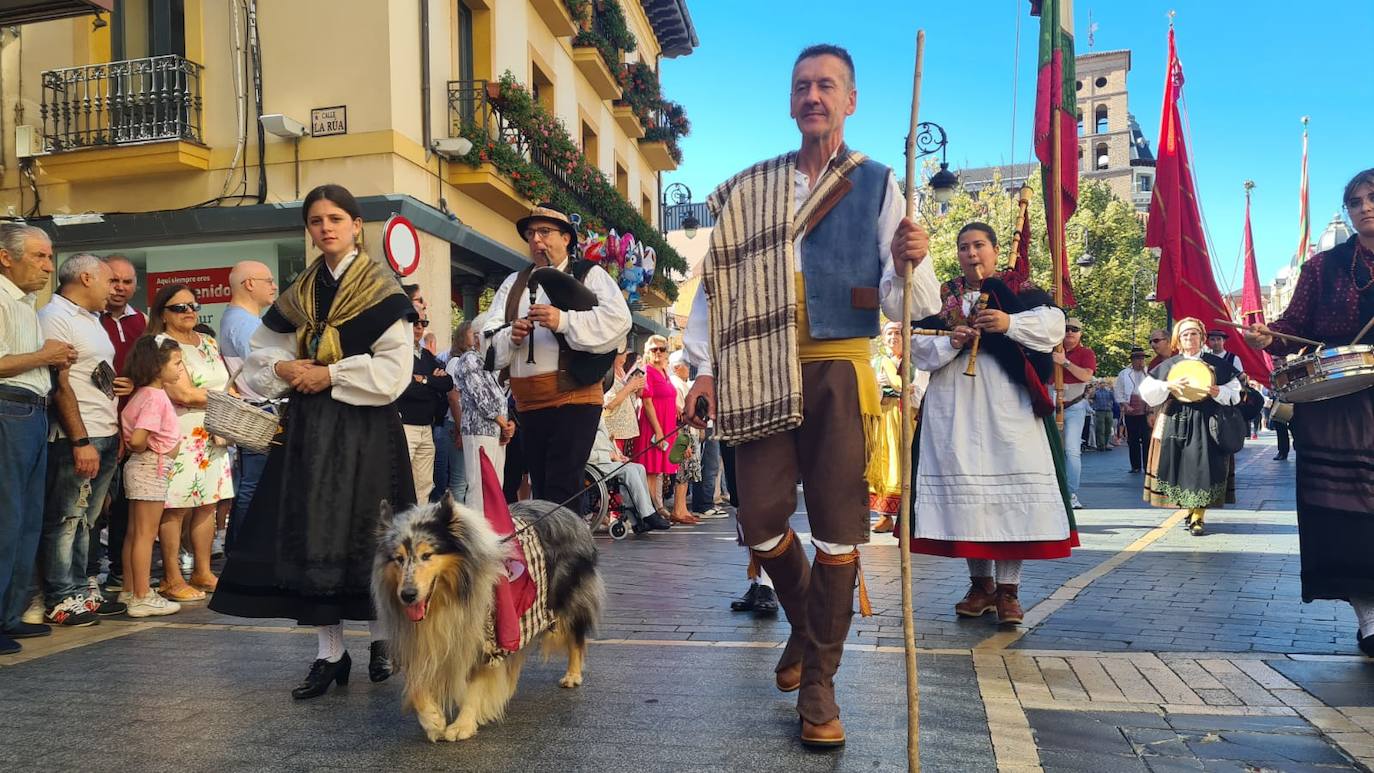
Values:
[(1100, 119), (591, 147), (541, 87), (1100, 153), (464, 42), (1078, 85), (1101, 82), (1080, 123), (646, 208), (1144, 183), (622, 181), (1080, 158), (142, 28)]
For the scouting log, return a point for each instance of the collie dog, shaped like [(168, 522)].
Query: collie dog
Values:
[(433, 581)]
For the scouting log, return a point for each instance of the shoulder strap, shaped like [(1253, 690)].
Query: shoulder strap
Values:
[(517, 291), (580, 268)]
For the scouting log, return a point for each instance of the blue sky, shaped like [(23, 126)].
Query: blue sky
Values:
[(1253, 69)]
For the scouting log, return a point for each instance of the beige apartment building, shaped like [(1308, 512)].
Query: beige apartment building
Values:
[(183, 133)]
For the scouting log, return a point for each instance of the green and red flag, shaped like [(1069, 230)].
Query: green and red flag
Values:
[(1186, 283), (1304, 216), (1055, 92)]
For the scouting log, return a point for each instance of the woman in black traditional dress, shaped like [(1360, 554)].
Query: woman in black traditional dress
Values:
[(338, 342), (1333, 302), (1185, 468)]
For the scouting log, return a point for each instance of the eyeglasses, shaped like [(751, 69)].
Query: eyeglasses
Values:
[(421, 323), (266, 279), (1156, 340), (1354, 203), (1074, 329), (543, 233), (658, 349), (182, 308)]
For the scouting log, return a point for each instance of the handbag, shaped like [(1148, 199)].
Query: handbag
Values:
[(1228, 429)]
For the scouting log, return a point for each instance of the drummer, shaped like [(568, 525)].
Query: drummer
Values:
[(1185, 469), (1332, 303)]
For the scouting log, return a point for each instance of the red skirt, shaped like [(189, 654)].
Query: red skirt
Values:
[(997, 551)]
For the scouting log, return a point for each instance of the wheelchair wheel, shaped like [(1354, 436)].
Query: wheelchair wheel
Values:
[(618, 530), (598, 501)]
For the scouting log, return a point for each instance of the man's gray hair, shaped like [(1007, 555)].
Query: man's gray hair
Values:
[(69, 273), (14, 235)]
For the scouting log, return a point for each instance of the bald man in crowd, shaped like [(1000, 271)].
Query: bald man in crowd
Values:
[(254, 289)]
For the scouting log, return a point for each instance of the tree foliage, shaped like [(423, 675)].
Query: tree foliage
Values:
[(1105, 225)]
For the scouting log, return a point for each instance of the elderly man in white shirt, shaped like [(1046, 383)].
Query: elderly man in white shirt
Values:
[(25, 381), (84, 451), (543, 345), (1134, 411)]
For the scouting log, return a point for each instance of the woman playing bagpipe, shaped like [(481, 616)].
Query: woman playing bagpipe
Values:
[(1186, 467), (1334, 303), (989, 479)]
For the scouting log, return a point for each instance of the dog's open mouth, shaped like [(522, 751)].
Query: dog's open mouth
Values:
[(416, 612)]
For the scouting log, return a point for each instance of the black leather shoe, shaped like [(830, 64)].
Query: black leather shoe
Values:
[(1366, 644), (766, 602), (657, 522), (379, 664), (1281, 458), (322, 672), (746, 602), (28, 631)]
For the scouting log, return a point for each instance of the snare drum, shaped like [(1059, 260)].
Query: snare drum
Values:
[(1334, 372), (1281, 412)]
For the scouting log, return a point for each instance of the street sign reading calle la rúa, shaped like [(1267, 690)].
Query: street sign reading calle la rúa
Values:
[(327, 121)]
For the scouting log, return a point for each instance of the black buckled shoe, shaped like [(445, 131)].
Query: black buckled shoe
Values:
[(656, 522), (379, 664), (746, 602), (322, 672), (765, 602)]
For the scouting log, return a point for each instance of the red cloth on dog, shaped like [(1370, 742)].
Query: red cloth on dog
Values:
[(513, 596)]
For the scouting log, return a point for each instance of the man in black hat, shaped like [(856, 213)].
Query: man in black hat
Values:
[(1216, 341), (552, 350), (1133, 407)]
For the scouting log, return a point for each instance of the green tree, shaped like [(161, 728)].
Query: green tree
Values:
[(1105, 225)]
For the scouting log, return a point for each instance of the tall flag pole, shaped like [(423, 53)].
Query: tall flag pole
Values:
[(1304, 214), (1186, 284), (1251, 297)]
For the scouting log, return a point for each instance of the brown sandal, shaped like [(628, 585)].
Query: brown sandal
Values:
[(183, 593)]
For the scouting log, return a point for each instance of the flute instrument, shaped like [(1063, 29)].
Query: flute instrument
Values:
[(534, 291), (973, 350), (922, 331), (1274, 333)]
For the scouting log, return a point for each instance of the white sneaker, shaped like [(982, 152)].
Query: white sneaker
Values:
[(188, 562), (1073, 500), (217, 546), (713, 514), (151, 605), (34, 614), (125, 597)]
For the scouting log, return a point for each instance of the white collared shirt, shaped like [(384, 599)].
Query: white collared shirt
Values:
[(20, 333), (62, 320)]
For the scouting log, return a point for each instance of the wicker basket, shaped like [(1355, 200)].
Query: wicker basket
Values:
[(240, 423)]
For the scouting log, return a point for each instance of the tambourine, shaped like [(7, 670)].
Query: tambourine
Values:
[(1201, 377)]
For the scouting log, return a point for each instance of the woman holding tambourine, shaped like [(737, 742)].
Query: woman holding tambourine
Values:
[(1334, 303), (1186, 467)]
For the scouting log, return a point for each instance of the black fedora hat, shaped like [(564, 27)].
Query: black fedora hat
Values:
[(550, 214)]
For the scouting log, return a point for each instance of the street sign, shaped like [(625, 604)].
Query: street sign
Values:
[(326, 121), (401, 243)]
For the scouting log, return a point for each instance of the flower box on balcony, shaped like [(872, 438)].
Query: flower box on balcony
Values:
[(121, 161), (653, 298), (490, 188), (594, 69), (625, 116), (657, 154), (555, 15)]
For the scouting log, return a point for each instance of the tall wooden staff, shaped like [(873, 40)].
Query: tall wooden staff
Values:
[(913, 694), (1057, 255)]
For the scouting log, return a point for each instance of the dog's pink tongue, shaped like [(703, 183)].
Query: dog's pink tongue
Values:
[(416, 611)]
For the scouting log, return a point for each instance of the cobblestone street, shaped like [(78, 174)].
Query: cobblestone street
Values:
[(1148, 650)]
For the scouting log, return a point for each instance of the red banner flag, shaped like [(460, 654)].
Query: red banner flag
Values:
[(1186, 283), (1055, 93), (1251, 298)]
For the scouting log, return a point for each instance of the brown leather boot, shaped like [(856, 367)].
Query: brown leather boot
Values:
[(1008, 606), (980, 599), (791, 573), (829, 609)]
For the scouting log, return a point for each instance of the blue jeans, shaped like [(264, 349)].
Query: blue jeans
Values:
[(68, 518), (248, 467), (457, 481), (1074, 417), (704, 490), (23, 465), (443, 457)]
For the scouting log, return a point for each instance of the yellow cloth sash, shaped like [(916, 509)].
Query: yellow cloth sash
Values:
[(363, 285), (856, 351)]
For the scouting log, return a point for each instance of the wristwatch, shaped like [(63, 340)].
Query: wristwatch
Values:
[(81, 442)]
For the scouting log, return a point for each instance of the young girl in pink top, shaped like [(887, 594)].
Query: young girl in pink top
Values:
[(153, 435)]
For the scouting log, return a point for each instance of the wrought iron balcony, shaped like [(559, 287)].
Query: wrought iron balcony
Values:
[(471, 104), (130, 102)]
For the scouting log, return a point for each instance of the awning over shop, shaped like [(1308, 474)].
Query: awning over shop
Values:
[(646, 326), (14, 12)]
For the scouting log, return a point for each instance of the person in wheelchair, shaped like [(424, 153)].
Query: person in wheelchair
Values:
[(632, 480)]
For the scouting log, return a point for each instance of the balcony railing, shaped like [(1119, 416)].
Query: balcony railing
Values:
[(122, 103), (470, 104)]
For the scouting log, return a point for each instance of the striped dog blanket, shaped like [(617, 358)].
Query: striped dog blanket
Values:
[(538, 618), (750, 286)]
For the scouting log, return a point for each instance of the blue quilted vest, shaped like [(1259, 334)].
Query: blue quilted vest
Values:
[(841, 262)]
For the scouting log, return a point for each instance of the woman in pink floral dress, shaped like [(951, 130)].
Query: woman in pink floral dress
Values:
[(657, 418), (201, 474)]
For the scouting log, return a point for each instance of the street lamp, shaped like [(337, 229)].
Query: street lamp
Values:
[(1086, 259), (1149, 276), (931, 137), (681, 196)]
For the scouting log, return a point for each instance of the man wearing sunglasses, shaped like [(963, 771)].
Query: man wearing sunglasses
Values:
[(542, 344), (1078, 362), (424, 399)]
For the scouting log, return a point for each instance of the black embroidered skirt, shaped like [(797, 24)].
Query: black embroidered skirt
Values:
[(306, 547), (1185, 469), (1334, 440)]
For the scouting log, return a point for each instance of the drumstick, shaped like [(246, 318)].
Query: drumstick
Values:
[(1274, 333), (1363, 331)]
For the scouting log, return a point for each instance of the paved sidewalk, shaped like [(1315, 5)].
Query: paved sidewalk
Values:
[(1149, 649)]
